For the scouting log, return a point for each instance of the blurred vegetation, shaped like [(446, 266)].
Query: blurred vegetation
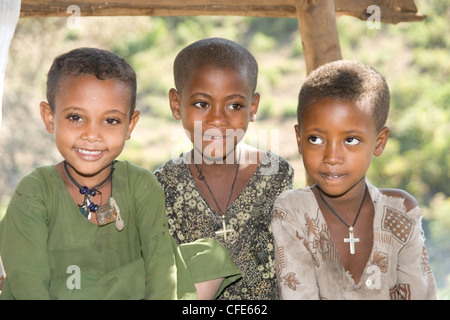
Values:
[(414, 57)]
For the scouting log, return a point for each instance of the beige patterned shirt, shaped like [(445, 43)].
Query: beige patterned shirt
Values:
[(309, 267)]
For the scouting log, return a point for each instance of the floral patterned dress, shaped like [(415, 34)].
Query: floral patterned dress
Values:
[(251, 244)]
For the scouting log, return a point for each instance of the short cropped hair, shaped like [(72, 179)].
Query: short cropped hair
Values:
[(347, 80), (217, 52), (90, 61)]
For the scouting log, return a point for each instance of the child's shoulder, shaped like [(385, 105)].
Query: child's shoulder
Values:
[(295, 205), (272, 163), (171, 166), (408, 200), (42, 174), (42, 182), (129, 166), (132, 171), (296, 197)]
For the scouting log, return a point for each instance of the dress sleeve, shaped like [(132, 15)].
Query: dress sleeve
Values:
[(23, 246), (294, 262), (166, 274), (208, 259), (415, 278)]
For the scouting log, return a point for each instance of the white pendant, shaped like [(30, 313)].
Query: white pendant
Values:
[(351, 240)]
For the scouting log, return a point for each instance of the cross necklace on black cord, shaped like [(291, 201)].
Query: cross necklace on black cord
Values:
[(351, 240), (200, 176)]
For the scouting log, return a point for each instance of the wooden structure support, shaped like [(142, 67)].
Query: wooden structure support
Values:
[(320, 45), (393, 11)]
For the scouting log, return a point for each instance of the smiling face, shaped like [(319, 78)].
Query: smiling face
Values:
[(91, 123), (215, 107), (337, 140)]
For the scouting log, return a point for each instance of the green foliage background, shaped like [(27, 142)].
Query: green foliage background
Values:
[(414, 57)]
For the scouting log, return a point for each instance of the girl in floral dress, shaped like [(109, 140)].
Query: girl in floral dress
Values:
[(222, 188)]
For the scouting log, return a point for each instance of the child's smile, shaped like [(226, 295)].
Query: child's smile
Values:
[(89, 155)]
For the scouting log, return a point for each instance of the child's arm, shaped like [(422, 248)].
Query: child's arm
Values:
[(207, 290), (415, 278), (294, 263)]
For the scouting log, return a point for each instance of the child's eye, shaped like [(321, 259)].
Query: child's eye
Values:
[(315, 140), (352, 141), (201, 104), (74, 117), (112, 121), (235, 106)]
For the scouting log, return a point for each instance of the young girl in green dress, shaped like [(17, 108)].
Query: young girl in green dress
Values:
[(91, 227)]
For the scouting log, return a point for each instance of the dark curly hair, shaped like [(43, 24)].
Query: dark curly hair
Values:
[(90, 61), (347, 80), (217, 52)]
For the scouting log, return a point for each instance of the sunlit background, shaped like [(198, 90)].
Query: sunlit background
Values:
[(414, 57)]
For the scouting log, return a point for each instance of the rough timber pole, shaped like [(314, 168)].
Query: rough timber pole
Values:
[(319, 34), (318, 30)]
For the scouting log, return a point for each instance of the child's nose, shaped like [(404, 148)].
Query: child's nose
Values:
[(91, 133), (217, 117), (333, 155)]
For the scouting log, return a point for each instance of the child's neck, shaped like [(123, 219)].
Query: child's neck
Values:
[(223, 178), (90, 181), (79, 186), (350, 198)]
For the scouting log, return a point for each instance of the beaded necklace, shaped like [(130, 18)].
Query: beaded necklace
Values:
[(88, 205), (105, 214)]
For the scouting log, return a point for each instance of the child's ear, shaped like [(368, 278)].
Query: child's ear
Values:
[(382, 139), (254, 106), (47, 116), (133, 122), (174, 100), (299, 138)]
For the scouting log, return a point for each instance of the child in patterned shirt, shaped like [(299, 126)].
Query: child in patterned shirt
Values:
[(343, 238), (222, 188)]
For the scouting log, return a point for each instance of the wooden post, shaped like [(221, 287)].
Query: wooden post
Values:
[(319, 34), (318, 29)]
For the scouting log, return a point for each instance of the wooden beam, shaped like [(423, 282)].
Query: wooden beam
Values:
[(256, 8), (392, 11)]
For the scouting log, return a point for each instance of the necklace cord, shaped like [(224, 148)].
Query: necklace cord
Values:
[(90, 191), (202, 177), (335, 213), (98, 186)]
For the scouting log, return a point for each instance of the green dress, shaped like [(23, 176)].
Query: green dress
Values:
[(50, 251)]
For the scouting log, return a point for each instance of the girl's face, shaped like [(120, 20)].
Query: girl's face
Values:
[(337, 140), (91, 123), (215, 108)]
